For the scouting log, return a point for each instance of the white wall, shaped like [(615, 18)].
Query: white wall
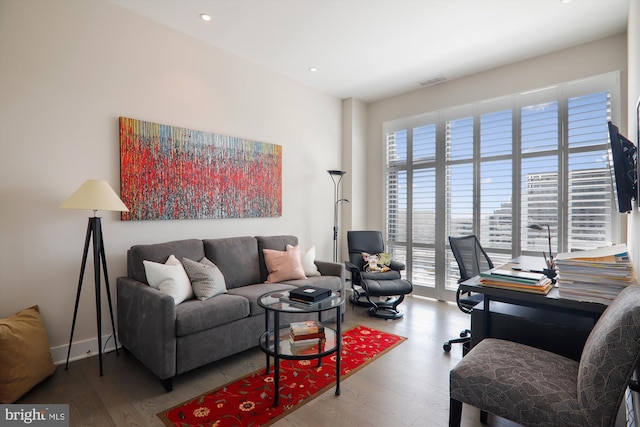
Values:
[(582, 61), (68, 70), (354, 156)]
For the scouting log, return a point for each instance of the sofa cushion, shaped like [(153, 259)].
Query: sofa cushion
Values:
[(159, 252), (194, 315), (206, 278), (169, 278), (283, 265), (253, 292), (237, 258), (25, 359), (307, 259), (278, 243)]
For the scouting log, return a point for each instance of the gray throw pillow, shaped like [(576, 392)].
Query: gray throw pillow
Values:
[(206, 278)]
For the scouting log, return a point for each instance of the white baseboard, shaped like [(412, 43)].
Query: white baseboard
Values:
[(82, 349)]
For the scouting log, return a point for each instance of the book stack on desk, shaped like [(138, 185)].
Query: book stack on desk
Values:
[(595, 275), (505, 277)]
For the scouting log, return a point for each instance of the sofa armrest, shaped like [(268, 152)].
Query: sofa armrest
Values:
[(327, 268), (147, 325)]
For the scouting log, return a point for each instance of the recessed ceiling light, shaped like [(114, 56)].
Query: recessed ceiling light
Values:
[(205, 17), (566, 1), (313, 69)]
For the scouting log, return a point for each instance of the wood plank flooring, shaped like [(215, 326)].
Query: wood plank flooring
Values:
[(408, 386)]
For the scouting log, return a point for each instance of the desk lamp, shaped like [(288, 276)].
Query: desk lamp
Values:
[(94, 195), (550, 270)]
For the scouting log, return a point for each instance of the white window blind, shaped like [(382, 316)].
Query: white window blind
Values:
[(539, 138), (496, 182), (589, 182), (496, 167), (396, 185)]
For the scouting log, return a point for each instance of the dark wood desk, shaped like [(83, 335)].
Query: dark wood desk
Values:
[(547, 321)]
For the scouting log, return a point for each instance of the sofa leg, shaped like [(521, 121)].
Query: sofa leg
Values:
[(167, 384), (455, 412), (483, 417)]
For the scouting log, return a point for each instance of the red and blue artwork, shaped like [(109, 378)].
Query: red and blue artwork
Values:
[(169, 172)]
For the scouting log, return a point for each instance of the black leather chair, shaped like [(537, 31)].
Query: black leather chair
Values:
[(471, 259), (382, 292)]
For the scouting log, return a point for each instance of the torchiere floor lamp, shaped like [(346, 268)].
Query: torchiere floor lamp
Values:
[(336, 191), (94, 195)]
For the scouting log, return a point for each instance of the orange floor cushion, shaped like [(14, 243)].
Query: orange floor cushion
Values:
[(25, 357)]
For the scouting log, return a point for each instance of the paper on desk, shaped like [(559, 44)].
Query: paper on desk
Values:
[(615, 253)]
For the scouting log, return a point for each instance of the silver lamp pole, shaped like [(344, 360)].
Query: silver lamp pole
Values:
[(336, 202)]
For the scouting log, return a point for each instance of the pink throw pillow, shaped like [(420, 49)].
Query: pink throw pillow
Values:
[(283, 265)]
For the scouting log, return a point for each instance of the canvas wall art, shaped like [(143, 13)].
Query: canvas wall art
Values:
[(169, 172)]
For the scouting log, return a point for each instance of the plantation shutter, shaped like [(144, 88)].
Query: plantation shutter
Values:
[(396, 194), (495, 167), (496, 182), (589, 181), (540, 137)]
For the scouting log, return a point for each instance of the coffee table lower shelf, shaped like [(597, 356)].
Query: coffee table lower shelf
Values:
[(330, 345)]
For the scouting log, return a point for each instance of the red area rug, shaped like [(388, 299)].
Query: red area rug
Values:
[(248, 401)]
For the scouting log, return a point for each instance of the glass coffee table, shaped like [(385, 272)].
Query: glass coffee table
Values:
[(274, 342)]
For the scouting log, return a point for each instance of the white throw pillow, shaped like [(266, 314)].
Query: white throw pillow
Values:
[(206, 278), (307, 259), (169, 278)]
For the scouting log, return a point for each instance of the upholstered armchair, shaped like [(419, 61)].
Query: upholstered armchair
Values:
[(538, 388), (382, 291)]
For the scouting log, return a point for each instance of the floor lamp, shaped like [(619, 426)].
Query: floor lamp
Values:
[(336, 202), (94, 195)]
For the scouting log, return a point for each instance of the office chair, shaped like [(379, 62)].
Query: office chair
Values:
[(368, 284), (471, 259)]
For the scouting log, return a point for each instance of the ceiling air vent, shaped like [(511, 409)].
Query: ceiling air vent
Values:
[(432, 81)]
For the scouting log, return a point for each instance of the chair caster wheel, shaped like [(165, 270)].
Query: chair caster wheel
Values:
[(447, 347)]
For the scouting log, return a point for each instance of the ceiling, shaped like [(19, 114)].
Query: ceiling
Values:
[(374, 49)]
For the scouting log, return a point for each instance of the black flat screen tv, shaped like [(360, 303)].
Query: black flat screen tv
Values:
[(625, 168)]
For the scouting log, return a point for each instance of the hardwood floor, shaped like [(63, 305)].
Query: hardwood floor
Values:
[(408, 386)]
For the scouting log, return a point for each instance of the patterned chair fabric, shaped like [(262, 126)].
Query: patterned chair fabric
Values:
[(537, 388)]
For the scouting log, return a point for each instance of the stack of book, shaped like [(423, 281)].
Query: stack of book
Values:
[(306, 336), (505, 277), (307, 295), (595, 275)]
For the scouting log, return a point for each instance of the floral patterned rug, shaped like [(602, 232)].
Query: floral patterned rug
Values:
[(247, 402)]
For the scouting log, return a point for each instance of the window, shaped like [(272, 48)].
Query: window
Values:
[(495, 167)]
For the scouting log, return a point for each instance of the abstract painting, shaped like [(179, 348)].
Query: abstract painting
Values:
[(169, 172)]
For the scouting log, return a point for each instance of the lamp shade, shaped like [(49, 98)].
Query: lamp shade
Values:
[(95, 195)]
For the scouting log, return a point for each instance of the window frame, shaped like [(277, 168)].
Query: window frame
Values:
[(559, 93)]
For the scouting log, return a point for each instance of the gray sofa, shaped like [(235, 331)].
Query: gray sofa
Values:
[(172, 339)]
